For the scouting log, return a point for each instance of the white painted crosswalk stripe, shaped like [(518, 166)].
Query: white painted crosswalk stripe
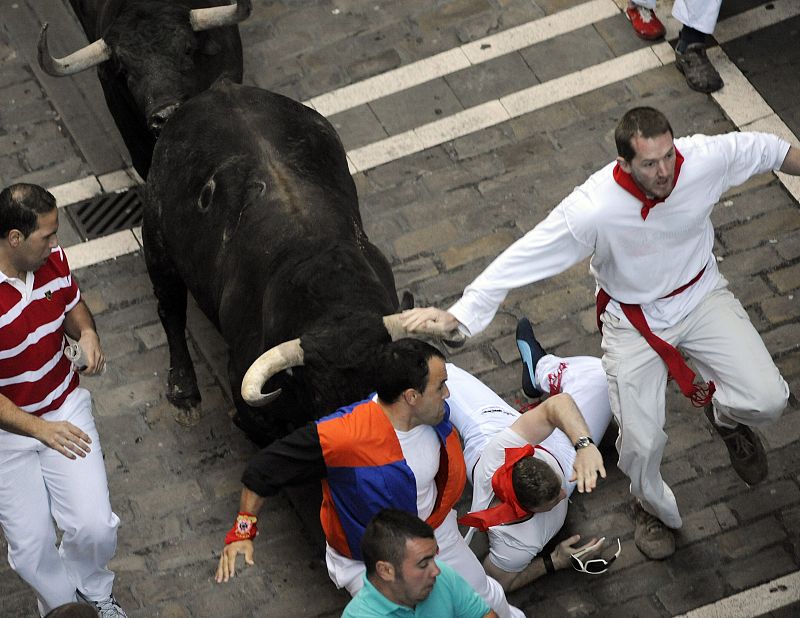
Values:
[(453, 60), (754, 602)]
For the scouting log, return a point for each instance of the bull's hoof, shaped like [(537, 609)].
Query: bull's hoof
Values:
[(188, 417), (182, 391), (183, 401)]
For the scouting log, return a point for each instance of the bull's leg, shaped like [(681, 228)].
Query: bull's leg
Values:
[(170, 292)]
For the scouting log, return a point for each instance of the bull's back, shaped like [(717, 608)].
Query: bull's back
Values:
[(231, 137), (242, 174)]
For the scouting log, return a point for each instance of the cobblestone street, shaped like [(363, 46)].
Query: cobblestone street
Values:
[(440, 214)]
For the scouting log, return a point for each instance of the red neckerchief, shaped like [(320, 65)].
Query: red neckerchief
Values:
[(625, 180), (509, 508)]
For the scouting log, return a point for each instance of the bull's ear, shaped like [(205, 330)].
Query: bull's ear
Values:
[(210, 47), (255, 189)]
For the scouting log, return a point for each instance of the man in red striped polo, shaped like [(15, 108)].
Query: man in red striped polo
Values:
[(51, 464)]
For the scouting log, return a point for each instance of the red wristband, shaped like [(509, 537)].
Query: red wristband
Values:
[(244, 528)]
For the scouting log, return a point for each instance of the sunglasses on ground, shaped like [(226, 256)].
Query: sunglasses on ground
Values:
[(595, 566)]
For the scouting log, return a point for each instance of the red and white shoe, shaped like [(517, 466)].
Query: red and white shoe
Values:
[(645, 23)]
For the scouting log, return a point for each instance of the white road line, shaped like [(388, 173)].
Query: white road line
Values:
[(511, 106), (102, 249), (738, 99), (453, 60), (753, 602), (91, 186), (756, 19)]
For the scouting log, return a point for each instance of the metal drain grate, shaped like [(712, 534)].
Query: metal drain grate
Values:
[(106, 214)]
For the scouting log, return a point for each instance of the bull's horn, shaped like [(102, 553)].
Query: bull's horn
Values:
[(287, 354), (453, 338), (84, 58), (219, 16)]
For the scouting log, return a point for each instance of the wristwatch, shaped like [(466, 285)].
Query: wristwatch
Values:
[(582, 442)]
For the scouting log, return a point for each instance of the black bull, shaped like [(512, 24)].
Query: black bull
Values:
[(250, 205), (151, 55)]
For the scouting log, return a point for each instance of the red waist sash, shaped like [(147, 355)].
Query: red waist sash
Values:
[(699, 394)]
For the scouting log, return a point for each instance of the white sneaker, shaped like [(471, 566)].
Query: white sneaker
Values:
[(106, 608)]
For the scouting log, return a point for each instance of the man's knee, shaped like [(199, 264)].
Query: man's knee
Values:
[(764, 406), (96, 531), (772, 403)]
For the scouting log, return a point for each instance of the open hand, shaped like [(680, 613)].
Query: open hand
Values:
[(588, 465), (227, 561), (64, 437)]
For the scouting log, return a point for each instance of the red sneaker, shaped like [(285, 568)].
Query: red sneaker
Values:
[(645, 23)]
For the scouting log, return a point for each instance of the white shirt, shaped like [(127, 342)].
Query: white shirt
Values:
[(512, 547), (420, 448), (636, 261)]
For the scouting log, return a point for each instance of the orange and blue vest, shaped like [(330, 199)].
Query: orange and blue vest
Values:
[(366, 472)]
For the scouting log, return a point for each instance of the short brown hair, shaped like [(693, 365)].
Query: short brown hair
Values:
[(386, 536), (535, 483), (643, 121)]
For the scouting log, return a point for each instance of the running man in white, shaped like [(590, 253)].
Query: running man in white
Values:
[(645, 220), (577, 409)]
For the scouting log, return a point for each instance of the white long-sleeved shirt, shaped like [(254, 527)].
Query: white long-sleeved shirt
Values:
[(637, 261)]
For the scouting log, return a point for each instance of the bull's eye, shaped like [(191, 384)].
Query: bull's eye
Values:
[(206, 196)]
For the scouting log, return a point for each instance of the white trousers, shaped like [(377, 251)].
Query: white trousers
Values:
[(453, 551), (698, 14), (725, 347), (37, 485)]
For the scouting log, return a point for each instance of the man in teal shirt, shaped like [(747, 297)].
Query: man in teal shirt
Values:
[(404, 580)]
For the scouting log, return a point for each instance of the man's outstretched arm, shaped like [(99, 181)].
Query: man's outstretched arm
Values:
[(249, 502), (560, 412), (293, 460)]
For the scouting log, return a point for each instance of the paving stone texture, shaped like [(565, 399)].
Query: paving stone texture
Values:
[(440, 216)]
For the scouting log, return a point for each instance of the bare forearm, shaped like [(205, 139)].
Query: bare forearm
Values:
[(14, 420), (563, 414), (791, 163), (558, 411), (79, 320), (514, 581)]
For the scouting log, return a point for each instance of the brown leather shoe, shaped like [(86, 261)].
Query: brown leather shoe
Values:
[(745, 449), (700, 74), (653, 538)]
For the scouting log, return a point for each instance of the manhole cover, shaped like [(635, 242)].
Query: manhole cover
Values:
[(106, 214)]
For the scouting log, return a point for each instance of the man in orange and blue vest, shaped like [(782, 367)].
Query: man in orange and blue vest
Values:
[(397, 449)]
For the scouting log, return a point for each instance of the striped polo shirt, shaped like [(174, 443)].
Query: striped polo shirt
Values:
[(34, 373)]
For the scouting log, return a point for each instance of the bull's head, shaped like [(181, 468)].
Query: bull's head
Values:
[(290, 354), (154, 43)]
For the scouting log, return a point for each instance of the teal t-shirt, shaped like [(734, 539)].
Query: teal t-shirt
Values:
[(451, 596)]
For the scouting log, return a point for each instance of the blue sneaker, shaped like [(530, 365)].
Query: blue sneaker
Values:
[(531, 351)]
